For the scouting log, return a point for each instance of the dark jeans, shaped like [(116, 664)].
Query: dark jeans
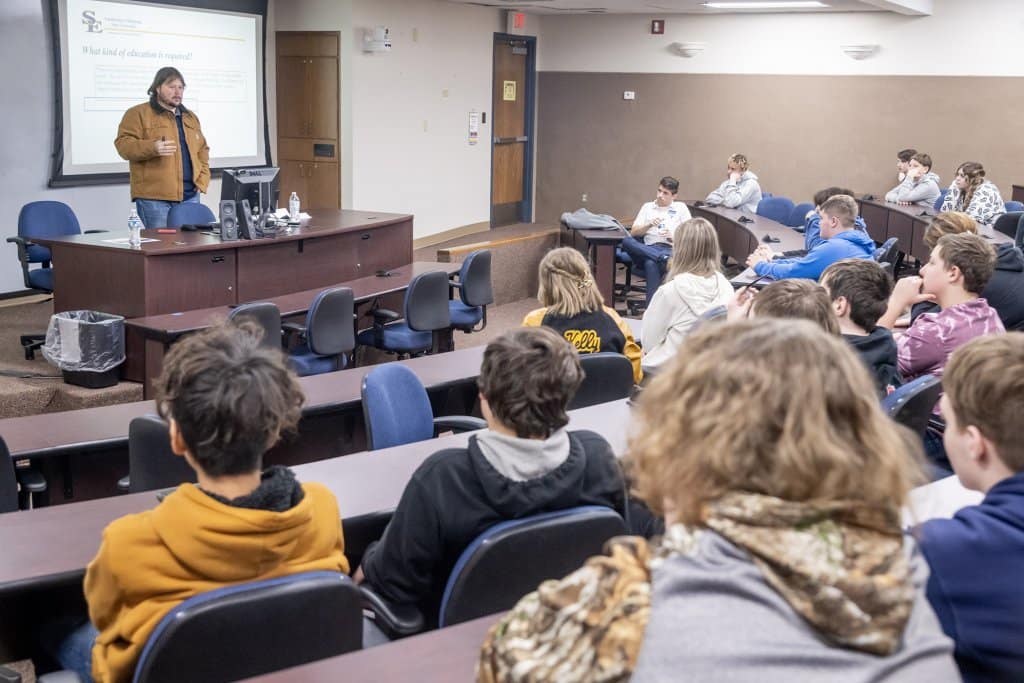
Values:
[(69, 641), (650, 259)]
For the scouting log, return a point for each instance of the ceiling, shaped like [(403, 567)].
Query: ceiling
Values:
[(649, 7)]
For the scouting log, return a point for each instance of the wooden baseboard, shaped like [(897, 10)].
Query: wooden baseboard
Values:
[(439, 237)]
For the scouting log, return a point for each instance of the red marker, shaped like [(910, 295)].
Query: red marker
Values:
[(166, 231)]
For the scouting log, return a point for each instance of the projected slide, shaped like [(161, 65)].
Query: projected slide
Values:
[(110, 52)]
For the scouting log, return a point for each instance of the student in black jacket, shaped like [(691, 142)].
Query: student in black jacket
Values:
[(525, 463), (860, 289)]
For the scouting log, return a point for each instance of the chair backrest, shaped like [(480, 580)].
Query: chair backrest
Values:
[(250, 629), (475, 277), (607, 376), (46, 219), (799, 214), (426, 302), (776, 208), (151, 462), (1014, 206), (330, 323), (912, 404), (1007, 223), (189, 213), (512, 558), (8, 480), (887, 252), (396, 408), (1019, 239), (267, 316), (942, 197)]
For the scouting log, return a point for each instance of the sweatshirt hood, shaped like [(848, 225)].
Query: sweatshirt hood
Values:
[(696, 289), (228, 543), (748, 175), (1009, 258), (876, 348), (556, 489), (929, 176), (858, 237)]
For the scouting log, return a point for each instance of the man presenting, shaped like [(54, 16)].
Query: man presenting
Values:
[(168, 158)]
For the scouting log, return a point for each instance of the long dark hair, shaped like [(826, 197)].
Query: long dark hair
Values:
[(166, 73)]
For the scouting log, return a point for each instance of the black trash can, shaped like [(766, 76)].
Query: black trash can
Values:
[(88, 347)]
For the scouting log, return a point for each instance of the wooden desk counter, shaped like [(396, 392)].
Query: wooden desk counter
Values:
[(51, 546), (441, 656)]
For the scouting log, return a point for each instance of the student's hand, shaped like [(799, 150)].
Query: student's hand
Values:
[(359, 577), (735, 176), (739, 305), (164, 148), (907, 292), (903, 203), (760, 255)]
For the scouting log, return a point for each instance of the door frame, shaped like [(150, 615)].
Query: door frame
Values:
[(530, 115)]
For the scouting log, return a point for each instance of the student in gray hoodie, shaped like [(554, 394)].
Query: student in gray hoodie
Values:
[(920, 186), (740, 190)]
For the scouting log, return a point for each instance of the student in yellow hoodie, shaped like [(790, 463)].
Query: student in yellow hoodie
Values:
[(227, 401)]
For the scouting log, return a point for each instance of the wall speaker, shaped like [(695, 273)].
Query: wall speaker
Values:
[(228, 221)]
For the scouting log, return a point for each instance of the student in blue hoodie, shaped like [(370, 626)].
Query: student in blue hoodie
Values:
[(977, 557), (839, 238)]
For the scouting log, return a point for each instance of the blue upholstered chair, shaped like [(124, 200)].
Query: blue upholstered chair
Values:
[(777, 209), (1018, 240), (1007, 223), (189, 213), (607, 376), (426, 315), (887, 252), (1014, 206), (942, 197), (798, 215), (266, 315), (397, 410), (506, 562), (475, 292), (912, 404), (328, 335)]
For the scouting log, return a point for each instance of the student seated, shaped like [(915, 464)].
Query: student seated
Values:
[(649, 242), (227, 400), (903, 158), (920, 186), (977, 557), (974, 195), (695, 285), (740, 190), (789, 299), (839, 238), (783, 558), (575, 309), (1005, 289), (957, 271), (525, 463), (812, 221), (860, 290)]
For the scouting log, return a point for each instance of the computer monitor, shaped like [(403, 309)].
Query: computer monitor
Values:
[(258, 185)]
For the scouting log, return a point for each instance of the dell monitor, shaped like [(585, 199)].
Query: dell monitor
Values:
[(258, 185)]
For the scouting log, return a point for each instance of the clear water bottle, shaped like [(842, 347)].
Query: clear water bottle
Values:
[(293, 207), (134, 228)]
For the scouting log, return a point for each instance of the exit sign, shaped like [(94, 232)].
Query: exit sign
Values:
[(518, 23)]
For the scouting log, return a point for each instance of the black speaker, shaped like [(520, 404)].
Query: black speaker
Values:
[(246, 229), (228, 221)]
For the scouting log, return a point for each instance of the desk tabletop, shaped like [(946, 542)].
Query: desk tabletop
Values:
[(758, 226), (441, 656), (54, 544), (94, 428), (324, 222)]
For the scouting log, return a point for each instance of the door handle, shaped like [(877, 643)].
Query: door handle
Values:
[(217, 259), (509, 140)]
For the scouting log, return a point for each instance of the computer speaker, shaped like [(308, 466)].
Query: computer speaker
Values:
[(228, 221)]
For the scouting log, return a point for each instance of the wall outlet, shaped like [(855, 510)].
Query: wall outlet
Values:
[(583, 198), (629, 95)]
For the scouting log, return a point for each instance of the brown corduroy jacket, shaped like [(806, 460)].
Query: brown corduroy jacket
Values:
[(154, 176)]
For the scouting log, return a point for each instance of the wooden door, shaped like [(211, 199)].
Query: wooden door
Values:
[(292, 178), (323, 181), (292, 98), (323, 93), (510, 200)]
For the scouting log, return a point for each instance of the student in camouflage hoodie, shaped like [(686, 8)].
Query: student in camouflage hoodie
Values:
[(974, 195)]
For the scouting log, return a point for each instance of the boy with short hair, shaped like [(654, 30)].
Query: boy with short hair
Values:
[(903, 158), (649, 242), (840, 238), (920, 186), (860, 290), (957, 271), (227, 400), (977, 557), (525, 463), (790, 299)]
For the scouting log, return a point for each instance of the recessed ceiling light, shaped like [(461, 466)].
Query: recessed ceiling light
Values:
[(751, 4)]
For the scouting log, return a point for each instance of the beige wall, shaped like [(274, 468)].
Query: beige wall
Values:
[(801, 133)]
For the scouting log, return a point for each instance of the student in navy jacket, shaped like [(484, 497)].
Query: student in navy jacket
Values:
[(977, 557)]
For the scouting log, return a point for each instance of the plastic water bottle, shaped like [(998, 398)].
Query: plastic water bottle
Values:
[(134, 228), (293, 207)]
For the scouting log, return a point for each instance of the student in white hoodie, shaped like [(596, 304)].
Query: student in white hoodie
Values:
[(920, 186), (740, 190), (694, 285)]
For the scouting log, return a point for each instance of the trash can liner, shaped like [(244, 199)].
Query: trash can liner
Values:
[(85, 341)]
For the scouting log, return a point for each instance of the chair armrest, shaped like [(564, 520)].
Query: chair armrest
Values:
[(383, 315), (23, 245), (293, 332), (93, 232), (31, 480), (396, 621), (937, 425), (124, 484), (458, 423)]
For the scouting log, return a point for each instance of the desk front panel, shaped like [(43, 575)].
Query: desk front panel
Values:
[(108, 280), (877, 220), (901, 226), (180, 282)]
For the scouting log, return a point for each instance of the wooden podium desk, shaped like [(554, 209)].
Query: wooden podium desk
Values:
[(191, 270)]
